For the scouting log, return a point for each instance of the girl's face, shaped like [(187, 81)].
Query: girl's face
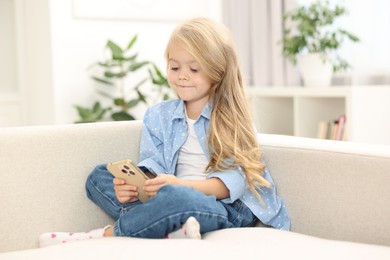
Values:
[(186, 77)]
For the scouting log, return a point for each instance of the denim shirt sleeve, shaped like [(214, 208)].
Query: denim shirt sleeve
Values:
[(275, 213), (151, 146), (234, 180)]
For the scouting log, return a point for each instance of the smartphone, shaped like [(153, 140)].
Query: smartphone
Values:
[(127, 170)]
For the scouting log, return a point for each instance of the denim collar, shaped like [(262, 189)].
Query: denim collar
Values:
[(180, 111)]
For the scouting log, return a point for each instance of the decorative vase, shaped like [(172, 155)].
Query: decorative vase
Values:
[(315, 70)]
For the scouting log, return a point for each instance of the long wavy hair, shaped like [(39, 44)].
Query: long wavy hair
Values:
[(232, 137)]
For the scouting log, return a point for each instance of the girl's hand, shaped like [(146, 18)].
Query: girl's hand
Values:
[(153, 185), (125, 193)]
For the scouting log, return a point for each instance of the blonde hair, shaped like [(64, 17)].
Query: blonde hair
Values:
[(232, 138)]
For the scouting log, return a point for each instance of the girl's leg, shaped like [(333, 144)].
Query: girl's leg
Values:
[(239, 214), (168, 210), (174, 199), (190, 229), (53, 238), (100, 190), (163, 214)]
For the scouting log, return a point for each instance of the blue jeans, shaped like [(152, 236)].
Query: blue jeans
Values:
[(165, 212)]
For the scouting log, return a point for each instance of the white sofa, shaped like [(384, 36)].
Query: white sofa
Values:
[(337, 193)]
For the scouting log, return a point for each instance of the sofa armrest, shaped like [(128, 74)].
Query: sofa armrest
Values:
[(333, 189)]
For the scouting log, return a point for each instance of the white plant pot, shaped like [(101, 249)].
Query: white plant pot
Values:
[(315, 72)]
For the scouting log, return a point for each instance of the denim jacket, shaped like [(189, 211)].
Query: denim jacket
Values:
[(164, 133)]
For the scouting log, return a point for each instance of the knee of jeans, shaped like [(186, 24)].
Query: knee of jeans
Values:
[(175, 199), (173, 191), (96, 176)]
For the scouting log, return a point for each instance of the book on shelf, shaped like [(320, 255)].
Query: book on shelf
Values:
[(323, 127), (340, 127), (333, 130)]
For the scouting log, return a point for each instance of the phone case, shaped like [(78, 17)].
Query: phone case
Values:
[(128, 171)]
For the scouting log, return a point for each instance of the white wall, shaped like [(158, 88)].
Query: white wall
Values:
[(79, 32), (46, 47)]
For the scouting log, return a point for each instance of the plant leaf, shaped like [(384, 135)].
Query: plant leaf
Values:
[(109, 74), (132, 41), (104, 94), (132, 103), (131, 58), (158, 72), (117, 53), (119, 102), (166, 97), (83, 112), (96, 107), (141, 96), (94, 114), (158, 78), (139, 84), (122, 116), (137, 65), (351, 36), (108, 64), (103, 81)]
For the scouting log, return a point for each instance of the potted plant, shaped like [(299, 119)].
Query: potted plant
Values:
[(114, 80), (312, 41)]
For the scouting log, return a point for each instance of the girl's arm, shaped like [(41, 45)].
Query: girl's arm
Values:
[(234, 180), (212, 186)]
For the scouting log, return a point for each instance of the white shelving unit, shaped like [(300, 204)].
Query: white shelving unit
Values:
[(298, 111)]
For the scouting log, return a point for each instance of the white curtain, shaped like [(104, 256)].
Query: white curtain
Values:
[(257, 29)]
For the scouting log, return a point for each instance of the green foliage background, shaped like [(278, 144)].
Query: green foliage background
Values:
[(115, 73)]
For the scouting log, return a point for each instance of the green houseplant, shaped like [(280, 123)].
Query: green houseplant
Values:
[(311, 31), (115, 84)]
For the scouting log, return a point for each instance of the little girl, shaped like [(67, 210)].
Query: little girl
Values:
[(202, 146)]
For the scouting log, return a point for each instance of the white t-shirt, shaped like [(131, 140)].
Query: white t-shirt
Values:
[(192, 161)]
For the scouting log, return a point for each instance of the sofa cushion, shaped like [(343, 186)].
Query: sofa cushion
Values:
[(242, 243)]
